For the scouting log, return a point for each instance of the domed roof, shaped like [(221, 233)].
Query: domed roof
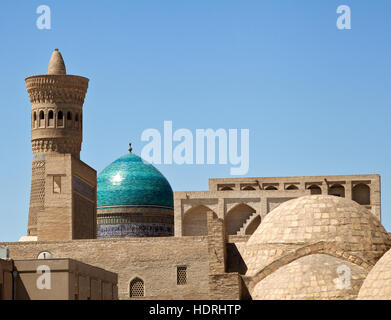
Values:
[(316, 218), (377, 285), (313, 277), (130, 181)]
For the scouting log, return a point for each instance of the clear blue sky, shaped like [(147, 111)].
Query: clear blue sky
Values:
[(316, 99)]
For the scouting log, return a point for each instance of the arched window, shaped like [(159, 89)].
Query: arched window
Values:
[(195, 221), (60, 119), (292, 187), (315, 189), (271, 188), (226, 189), (237, 217), (41, 119), (34, 119), (337, 190), (136, 288), (45, 255), (248, 188), (361, 193), (76, 120), (69, 116), (51, 118)]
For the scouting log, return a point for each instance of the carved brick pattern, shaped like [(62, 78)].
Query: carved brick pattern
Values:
[(37, 196), (57, 89), (56, 145)]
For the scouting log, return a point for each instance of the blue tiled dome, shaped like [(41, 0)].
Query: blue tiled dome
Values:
[(131, 182)]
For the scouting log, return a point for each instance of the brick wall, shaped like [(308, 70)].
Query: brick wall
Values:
[(154, 260)]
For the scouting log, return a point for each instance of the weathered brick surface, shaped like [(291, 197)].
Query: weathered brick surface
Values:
[(225, 286), (377, 285), (352, 229), (153, 259), (311, 277)]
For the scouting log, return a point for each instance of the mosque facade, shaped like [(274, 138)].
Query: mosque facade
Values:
[(124, 233)]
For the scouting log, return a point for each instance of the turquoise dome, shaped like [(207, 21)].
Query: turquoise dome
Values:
[(131, 182)]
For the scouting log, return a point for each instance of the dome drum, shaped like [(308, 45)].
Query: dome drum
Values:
[(135, 222)]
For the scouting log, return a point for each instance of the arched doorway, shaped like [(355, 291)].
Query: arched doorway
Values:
[(237, 217), (195, 221)]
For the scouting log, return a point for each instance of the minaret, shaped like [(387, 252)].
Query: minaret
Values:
[(56, 126)]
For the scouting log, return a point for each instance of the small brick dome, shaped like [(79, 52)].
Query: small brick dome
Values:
[(313, 277), (307, 220), (377, 285)]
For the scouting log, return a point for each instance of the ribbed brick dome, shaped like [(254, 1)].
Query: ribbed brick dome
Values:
[(377, 285), (313, 277), (313, 219)]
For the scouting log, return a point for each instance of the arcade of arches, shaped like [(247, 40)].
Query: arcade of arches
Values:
[(243, 203)]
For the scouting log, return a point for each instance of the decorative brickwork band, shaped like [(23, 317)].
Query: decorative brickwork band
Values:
[(62, 145), (57, 89)]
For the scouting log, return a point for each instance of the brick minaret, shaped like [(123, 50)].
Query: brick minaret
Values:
[(56, 126)]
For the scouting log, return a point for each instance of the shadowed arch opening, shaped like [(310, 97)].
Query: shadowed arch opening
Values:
[(237, 217), (195, 221), (60, 119), (253, 225), (41, 119), (34, 119), (271, 188), (69, 120), (361, 193), (337, 190), (292, 187), (226, 189), (51, 118), (315, 189), (136, 288), (76, 120), (248, 188)]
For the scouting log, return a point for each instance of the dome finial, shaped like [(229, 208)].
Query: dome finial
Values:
[(56, 63), (130, 147)]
